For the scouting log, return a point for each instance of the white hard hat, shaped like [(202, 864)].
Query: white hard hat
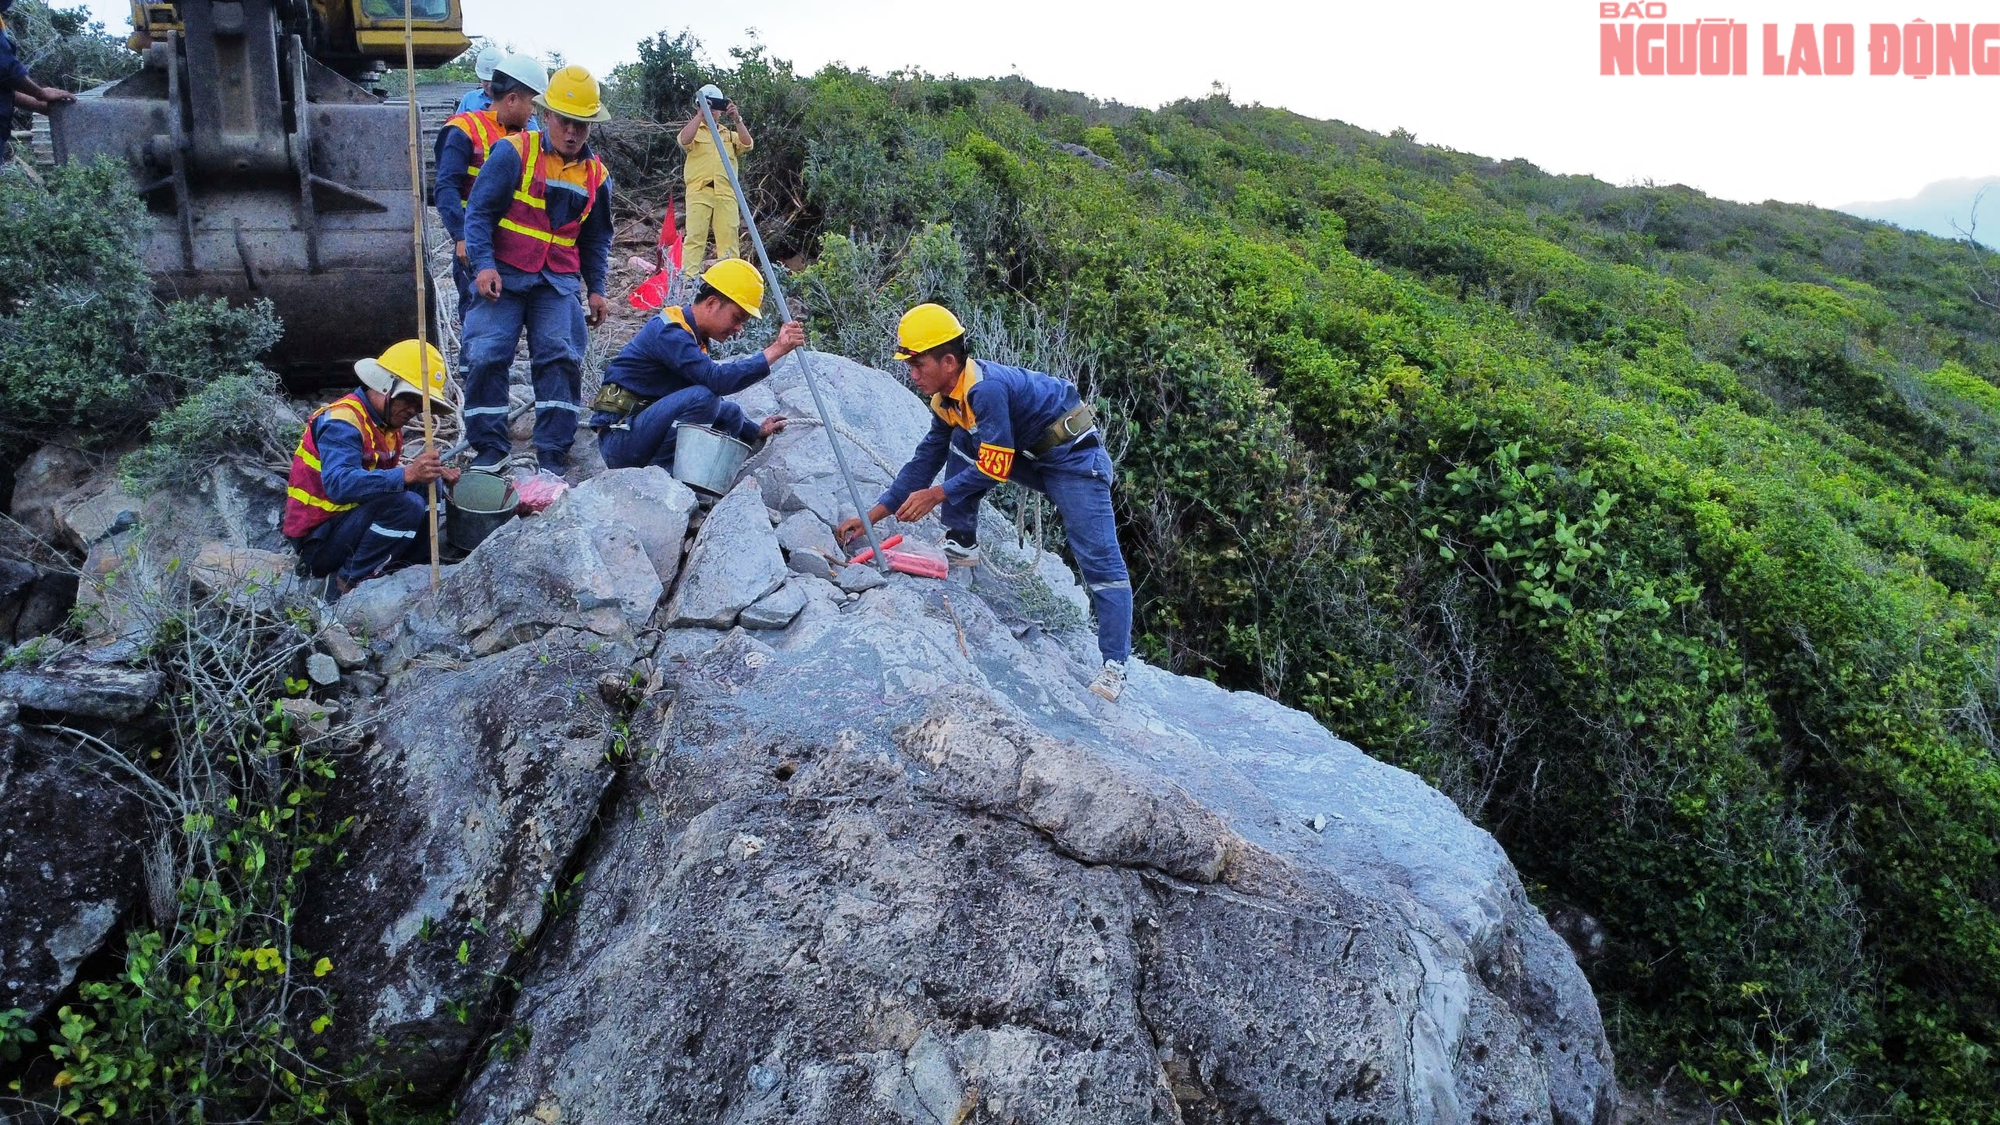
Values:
[(525, 69), (488, 58)]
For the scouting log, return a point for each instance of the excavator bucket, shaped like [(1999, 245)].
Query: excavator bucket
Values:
[(267, 175)]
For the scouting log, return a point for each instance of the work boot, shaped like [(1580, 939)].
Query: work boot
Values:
[(490, 461), (557, 463), (1110, 681), (961, 548)]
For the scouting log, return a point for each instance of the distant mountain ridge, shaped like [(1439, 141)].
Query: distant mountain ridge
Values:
[(1937, 206)]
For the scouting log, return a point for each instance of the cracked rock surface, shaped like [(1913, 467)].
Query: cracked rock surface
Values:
[(892, 862)]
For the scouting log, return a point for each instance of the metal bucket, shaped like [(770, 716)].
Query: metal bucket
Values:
[(707, 460), (479, 504)]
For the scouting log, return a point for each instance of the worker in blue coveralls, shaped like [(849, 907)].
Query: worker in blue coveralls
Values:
[(1008, 423), (463, 144), (538, 233), (353, 509), (665, 376), (22, 91)]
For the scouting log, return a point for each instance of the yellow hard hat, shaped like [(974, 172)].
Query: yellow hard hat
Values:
[(401, 371), (924, 328), (739, 281), (572, 93)]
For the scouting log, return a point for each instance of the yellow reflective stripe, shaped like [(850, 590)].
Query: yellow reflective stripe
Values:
[(537, 204), (306, 498), (311, 461), (509, 224), (532, 146)]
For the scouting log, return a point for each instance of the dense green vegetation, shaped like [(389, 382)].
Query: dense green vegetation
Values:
[(1659, 531)]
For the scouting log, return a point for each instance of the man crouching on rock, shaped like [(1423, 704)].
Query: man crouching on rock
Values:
[(665, 377), (1009, 423), (351, 509)]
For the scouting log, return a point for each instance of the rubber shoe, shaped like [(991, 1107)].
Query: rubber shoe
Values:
[(1110, 681), (490, 462), (958, 555)]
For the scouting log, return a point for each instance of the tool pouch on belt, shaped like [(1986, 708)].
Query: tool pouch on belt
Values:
[(614, 399), (1066, 429)]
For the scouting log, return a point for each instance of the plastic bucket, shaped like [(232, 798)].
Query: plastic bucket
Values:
[(707, 460), (479, 504)]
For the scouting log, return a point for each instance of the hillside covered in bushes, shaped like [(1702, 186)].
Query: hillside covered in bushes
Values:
[(1658, 531)]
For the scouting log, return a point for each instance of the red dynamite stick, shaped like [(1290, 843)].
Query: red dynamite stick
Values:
[(923, 566), (869, 552)]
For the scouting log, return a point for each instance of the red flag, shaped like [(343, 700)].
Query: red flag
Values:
[(670, 237), (652, 292)]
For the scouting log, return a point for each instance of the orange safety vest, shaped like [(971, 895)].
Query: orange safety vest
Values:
[(524, 239), (484, 130), (306, 502)]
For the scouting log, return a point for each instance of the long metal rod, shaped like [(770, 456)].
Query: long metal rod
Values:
[(417, 261), (880, 557)]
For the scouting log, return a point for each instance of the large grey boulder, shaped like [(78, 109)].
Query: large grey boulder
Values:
[(467, 806), (649, 501), (877, 420), (735, 561), (374, 610), (49, 481), (569, 567), (237, 502), (89, 685), (70, 842), (894, 863)]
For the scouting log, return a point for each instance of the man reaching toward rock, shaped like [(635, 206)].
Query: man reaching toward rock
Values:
[(665, 377), (1009, 423), (351, 509)]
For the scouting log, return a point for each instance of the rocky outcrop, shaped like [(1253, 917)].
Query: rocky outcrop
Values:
[(892, 862), (652, 831), (467, 805), (70, 840)]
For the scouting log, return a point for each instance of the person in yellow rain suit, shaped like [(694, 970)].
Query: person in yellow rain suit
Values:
[(711, 204)]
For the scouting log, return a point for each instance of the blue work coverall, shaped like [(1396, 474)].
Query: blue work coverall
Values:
[(454, 156), (388, 526), (667, 363), (1000, 412), (12, 73), (547, 303)]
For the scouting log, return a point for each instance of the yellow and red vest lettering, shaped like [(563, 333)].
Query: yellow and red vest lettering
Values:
[(996, 461), (524, 239), (306, 503)]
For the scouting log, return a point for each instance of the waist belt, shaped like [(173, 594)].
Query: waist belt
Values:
[(614, 399), (1069, 427)]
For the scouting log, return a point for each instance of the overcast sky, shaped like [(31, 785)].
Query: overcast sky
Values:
[(1503, 79)]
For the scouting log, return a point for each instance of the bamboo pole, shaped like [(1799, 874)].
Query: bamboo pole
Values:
[(417, 264)]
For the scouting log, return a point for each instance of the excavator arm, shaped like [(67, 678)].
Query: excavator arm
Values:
[(269, 171)]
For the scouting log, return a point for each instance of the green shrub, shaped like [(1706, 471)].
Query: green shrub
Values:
[(84, 345)]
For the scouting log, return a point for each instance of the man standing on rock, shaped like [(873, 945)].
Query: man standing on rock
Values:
[(351, 508), (665, 377), (1009, 423), (464, 143), (538, 233)]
